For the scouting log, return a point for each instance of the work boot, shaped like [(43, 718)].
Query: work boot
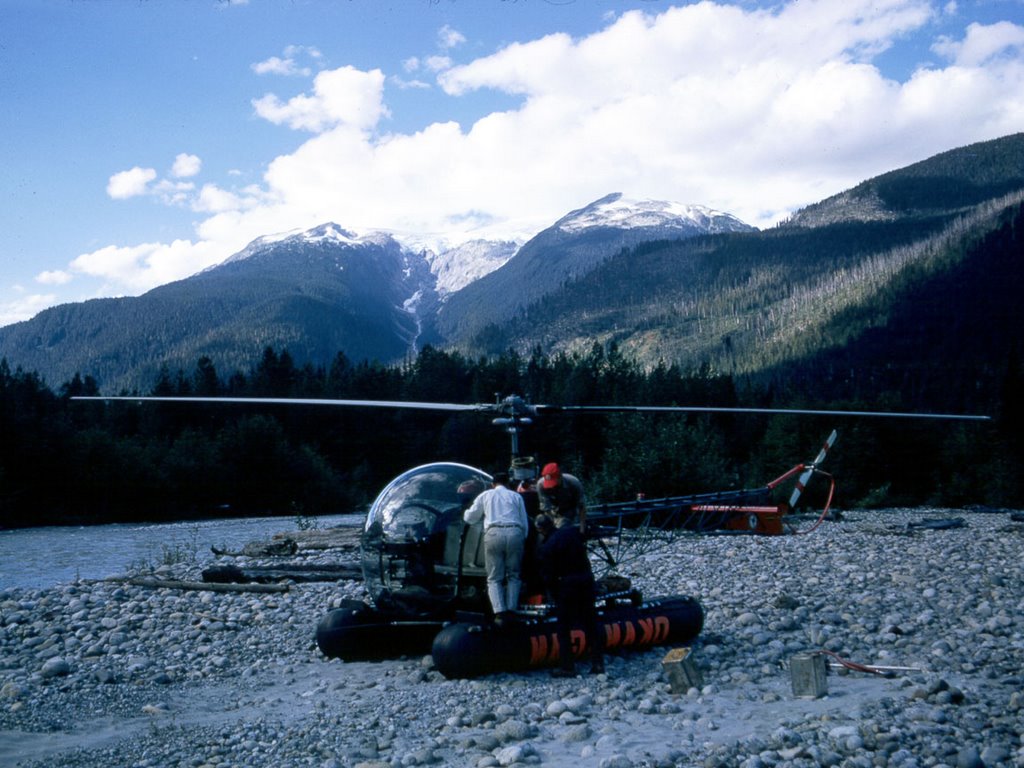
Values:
[(597, 667)]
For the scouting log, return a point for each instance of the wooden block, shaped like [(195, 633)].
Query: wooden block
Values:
[(681, 671), (808, 674)]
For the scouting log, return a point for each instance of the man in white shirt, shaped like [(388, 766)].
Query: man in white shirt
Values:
[(505, 527)]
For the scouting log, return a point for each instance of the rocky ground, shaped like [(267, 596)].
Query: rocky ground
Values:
[(116, 674)]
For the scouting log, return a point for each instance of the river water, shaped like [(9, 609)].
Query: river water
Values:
[(43, 557)]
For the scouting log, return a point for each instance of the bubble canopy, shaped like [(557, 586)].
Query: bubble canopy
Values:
[(425, 496), (413, 537)]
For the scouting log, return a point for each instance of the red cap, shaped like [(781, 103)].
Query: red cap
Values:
[(551, 474)]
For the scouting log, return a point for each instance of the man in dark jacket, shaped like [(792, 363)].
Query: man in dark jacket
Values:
[(570, 582)]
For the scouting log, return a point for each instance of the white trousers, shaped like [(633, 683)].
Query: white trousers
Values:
[(503, 555)]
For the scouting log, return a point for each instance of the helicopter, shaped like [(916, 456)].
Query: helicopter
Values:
[(423, 567)]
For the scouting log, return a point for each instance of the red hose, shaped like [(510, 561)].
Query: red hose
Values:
[(828, 501), (854, 665)]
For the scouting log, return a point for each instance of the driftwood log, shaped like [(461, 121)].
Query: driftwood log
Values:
[(266, 574), (324, 538), (146, 581), (279, 548), (287, 544)]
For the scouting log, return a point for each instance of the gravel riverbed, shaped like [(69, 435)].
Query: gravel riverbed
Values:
[(112, 674)]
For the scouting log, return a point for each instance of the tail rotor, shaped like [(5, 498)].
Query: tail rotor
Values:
[(805, 478)]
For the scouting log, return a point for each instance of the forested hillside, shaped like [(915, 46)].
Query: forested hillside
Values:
[(744, 303), (312, 297), (948, 182)]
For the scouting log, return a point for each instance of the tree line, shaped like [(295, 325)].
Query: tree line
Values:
[(65, 461)]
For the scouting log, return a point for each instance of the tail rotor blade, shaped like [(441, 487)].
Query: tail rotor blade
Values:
[(805, 477)]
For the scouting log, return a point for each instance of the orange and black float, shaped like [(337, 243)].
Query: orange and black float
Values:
[(475, 647), (468, 649)]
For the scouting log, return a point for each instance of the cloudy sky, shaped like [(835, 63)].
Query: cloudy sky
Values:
[(144, 140)]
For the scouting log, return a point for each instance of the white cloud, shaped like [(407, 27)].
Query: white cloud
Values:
[(186, 166), (404, 85), (214, 199), (409, 65), (25, 307), (137, 268), (278, 66), (437, 63), (755, 112), (310, 51), (341, 97), (54, 277), (130, 183), (982, 44), (289, 66), (173, 192), (450, 38)]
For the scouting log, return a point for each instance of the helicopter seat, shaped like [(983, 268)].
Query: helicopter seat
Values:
[(468, 541), (452, 543)]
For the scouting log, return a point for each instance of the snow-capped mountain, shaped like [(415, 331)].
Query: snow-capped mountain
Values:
[(453, 266), (572, 246), (374, 295), (619, 212), (325, 233), (458, 266)]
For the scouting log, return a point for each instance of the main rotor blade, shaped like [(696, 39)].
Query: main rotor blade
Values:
[(300, 401), (711, 409), (515, 405)]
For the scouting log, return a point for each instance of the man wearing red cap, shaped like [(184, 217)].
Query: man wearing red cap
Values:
[(559, 491)]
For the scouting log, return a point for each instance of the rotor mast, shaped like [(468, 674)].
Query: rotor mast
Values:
[(517, 413)]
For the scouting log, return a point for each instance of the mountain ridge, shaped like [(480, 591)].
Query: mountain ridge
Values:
[(664, 282), (572, 246), (314, 291)]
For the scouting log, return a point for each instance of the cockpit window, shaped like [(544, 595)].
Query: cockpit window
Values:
[(425, 499), (413, 540)]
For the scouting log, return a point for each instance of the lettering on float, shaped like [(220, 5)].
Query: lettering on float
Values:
[(640, 633), (618, 634), (544, 649)]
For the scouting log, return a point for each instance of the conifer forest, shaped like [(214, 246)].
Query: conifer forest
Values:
[(65, 461)]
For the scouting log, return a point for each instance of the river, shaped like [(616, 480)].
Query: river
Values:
[(37, 558)]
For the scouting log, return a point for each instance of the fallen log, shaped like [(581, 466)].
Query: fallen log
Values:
[(287, 544), (324, 538), (146, 581), (944, 524), (266, 574), (279, 548)]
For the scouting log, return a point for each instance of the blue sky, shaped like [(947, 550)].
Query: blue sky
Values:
[(144, 140)]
